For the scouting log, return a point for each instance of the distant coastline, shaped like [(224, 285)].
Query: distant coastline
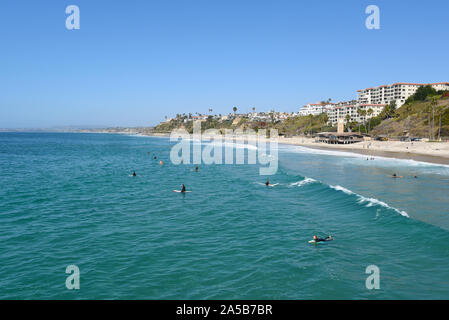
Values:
[(431, 152)]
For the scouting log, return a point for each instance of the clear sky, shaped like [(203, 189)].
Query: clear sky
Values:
[(134, 62)]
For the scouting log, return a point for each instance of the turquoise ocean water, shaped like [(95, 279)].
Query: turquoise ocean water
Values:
[(69, 199)]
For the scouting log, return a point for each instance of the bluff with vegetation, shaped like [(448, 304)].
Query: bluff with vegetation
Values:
[(425, 115), (297, 125)]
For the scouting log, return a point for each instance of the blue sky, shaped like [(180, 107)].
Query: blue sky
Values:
[(134, 62)]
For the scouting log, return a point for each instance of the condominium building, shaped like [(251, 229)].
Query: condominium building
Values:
[(398, 92), (312, 109), (351, 112)]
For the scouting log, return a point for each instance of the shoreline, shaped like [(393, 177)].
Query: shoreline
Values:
[(430, 152), (386, 154)]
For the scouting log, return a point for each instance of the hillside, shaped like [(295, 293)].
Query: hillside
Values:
[(418, 119), (297, 125)]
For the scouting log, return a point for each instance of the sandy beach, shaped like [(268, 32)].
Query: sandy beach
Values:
[(433, 152)]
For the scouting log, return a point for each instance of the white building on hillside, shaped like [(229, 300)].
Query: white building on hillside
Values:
[(398, 92), (371, 110), (312, 109)]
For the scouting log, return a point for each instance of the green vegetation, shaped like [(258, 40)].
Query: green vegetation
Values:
[(422, 93), (425, 114), (428, 118), (298, 125), (304, 125)]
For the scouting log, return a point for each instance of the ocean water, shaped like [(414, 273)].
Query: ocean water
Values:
[(70, 199)]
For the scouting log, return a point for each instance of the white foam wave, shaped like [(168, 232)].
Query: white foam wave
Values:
[(369, 202), (302, 182), (225, 144), (343, 189)]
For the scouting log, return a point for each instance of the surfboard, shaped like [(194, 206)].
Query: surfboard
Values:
[(180, 191), (315, 242)]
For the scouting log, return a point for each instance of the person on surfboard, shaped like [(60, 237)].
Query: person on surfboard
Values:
[(134, 174), (267, 183), (183, 188), (316, 239)]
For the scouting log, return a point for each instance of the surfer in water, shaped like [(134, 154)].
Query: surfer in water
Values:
[(321, 239), (183, 188), (134, 174), (267, 183), (395, 175), (196, 168)]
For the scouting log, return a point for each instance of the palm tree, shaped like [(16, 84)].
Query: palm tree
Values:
[(408, 108), (440, 112), (272, 115), (369, 112), (363, 113), (347, 118), (433, 104), (359, 113), (428, 121)]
